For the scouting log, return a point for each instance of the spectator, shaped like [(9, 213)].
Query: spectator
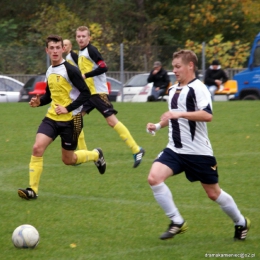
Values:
[(160, 80), (215, 77)]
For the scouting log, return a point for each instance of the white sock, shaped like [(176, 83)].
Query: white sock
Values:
[(229, 206), (163, 196)]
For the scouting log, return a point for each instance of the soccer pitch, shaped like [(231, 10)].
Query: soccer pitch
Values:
[(81, 214)]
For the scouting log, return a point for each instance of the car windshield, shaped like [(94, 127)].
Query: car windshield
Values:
[(115, 85), (9, 85), (137, 80)]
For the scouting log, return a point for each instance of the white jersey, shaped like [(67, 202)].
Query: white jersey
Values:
[(185, 136)]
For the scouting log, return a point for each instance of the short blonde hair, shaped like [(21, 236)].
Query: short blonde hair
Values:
[(187, 56), (83, 28)]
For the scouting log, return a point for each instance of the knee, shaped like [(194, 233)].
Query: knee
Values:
[(37, 150), (110, 123), (213, 195), (153, 179), (67, 161)]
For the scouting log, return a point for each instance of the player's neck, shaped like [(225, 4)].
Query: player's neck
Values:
[(56, 62), (187, 80)]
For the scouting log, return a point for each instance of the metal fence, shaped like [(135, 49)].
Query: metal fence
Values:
[(114, 74), (123, 61)]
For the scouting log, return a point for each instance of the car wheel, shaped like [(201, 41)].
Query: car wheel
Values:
[(250, 97)]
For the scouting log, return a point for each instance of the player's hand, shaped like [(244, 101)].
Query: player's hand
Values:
[(35, 101), (60, 109), (83, 76), (170, 115), (150, 128)]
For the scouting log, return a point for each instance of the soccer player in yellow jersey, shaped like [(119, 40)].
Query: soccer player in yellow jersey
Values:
[(93, 69), (72, 58), (66, 91)]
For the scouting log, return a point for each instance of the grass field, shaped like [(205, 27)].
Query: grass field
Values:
[(114, 216)]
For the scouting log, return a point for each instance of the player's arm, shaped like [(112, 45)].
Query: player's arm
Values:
[(77, 80), (45, 99), (74, 56), (97, 58), (200, 115)]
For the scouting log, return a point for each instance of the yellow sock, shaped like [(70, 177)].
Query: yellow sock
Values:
[(35, 171), (81, 141), (86, 156), (127, 137)]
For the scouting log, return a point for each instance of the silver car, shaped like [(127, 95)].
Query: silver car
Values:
[(136, 89), (9, 89)]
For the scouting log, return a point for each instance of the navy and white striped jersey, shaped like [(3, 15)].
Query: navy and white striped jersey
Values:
[(185, 136)]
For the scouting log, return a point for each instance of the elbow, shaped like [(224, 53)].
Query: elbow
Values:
[(209, 118)]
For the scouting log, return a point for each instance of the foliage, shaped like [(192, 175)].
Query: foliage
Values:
[(8, 32), (230, 54), (148, 29)]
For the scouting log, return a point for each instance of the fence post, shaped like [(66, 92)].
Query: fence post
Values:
[(203, 59), (48, 63), (122, 79)]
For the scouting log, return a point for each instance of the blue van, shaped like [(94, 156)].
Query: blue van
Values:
[(248, 80)]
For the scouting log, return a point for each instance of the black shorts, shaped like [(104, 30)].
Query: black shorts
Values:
[(201, 168), (68, 131), (102, 103)]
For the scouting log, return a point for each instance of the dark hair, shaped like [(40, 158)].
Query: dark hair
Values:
[(187, 56), (54, 38)]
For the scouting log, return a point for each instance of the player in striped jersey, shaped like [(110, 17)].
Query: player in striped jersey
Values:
[(189, 149), (66, 91)]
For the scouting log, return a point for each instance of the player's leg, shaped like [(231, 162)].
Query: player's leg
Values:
[(42, 141), (69, 138), (137, 151), (105, 107), (159, 172), (81, 141), (228, 205)]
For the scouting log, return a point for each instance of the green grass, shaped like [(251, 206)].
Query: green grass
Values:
[(114, 216)]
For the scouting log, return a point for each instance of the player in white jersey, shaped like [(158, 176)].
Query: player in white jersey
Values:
[(189, 149)]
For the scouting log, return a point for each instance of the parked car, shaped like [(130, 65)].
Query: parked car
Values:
[(9, 89), (29, 86), (115, 87), (136, 89)]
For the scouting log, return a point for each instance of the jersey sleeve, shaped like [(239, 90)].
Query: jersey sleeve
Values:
[(77, 80), (97, 58), (46, 98), (203, 97)]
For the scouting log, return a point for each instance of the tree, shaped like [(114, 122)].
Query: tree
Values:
[(230, 54)]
